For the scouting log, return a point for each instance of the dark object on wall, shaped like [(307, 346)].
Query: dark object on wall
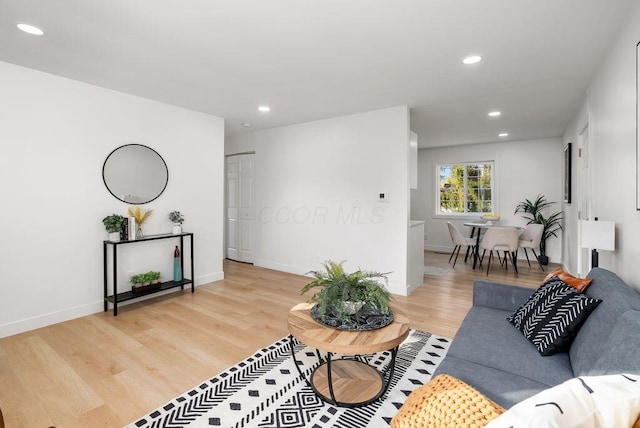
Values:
[(135, 174), (567, 173)]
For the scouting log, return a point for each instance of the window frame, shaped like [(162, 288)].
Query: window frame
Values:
[(464, 215)]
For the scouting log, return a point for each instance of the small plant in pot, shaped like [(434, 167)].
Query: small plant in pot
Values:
[(155, 277), (177, 219), (535, 212), (145, 280), (136, 280), (352, 301), (113, 224)]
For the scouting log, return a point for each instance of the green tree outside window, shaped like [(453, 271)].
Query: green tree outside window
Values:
[(466, 188)]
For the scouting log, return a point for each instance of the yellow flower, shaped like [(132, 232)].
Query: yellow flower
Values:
[(137, 213)]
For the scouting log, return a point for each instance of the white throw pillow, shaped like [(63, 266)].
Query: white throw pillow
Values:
[(583, 402)]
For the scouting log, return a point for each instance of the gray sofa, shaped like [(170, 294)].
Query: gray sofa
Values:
[(495, 358)]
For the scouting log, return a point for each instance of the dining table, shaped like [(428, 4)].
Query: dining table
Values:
[(480, 226)]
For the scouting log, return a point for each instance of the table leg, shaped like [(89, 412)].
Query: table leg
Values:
[(295, 360), (476, 254), (329, 380)]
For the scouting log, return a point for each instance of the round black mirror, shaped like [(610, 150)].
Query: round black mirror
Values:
[(135, 174)]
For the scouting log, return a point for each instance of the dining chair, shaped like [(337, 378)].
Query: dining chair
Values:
[(530, 239), (459, 241), (500, 239)]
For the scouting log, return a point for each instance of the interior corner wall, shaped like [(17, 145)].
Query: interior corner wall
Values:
[(56, 134), (523, 169), (609, 110), (317, 188)]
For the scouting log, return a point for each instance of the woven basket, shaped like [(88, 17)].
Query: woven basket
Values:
[(446, 402)]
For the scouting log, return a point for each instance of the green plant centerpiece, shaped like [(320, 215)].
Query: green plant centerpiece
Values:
[(535, 213), (349, 301)]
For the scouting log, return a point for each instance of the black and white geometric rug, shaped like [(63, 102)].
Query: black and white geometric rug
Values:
[(266, 391)]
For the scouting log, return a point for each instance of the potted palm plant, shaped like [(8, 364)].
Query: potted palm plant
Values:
[(534, 212), (349, 300)]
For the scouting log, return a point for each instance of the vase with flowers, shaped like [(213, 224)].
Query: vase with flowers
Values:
[(140, 216)]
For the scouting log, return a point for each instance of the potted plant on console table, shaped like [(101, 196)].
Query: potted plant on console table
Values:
[(113, 223), (534, 213), (349, 301)]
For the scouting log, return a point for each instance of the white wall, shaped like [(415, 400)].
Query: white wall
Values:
[(56, 134), (610, 111), (310, 179), (523, 169)]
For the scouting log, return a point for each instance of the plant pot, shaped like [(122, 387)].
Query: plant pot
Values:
[(155, 281), (140, 288), (544, 260), (177, 229), (114, 236)]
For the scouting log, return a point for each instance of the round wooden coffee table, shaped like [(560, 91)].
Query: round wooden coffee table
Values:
[(347, 382)]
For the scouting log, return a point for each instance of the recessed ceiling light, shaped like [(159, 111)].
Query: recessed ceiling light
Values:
[(494, 114), (472, 59), (264, 109), (30, 29), (503, 134)]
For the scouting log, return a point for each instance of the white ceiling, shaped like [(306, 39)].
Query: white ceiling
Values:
[(314, 59)]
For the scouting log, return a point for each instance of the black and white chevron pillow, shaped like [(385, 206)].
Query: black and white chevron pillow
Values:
[(552, 316)]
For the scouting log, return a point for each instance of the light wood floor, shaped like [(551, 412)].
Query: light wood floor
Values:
[(105, 371)]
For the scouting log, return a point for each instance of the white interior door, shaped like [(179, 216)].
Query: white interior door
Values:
[(584, 198), (240, 207)]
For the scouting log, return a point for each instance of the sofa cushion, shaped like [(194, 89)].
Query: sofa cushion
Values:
[(584, 402), (552, 316), (579, 284), (486, 338), (621, 348), (592, 341), (505, 389)]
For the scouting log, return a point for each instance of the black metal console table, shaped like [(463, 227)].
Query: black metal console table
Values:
[(116, 297)]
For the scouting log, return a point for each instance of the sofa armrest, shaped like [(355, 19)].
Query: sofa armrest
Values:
[(506, 297)]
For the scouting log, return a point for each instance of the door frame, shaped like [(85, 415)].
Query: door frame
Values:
[(585, 205)]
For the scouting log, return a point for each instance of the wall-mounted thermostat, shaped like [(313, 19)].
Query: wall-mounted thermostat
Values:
[(383, 197)]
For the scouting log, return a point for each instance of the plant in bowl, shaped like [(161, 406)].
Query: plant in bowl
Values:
[(343, 294)]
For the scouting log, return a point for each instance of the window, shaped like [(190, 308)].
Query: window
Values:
[(465, 188)]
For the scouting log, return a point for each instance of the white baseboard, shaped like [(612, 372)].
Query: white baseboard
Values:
[(411, 289), (267, 264), (212, 277), (21, 326), (438, 248)]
